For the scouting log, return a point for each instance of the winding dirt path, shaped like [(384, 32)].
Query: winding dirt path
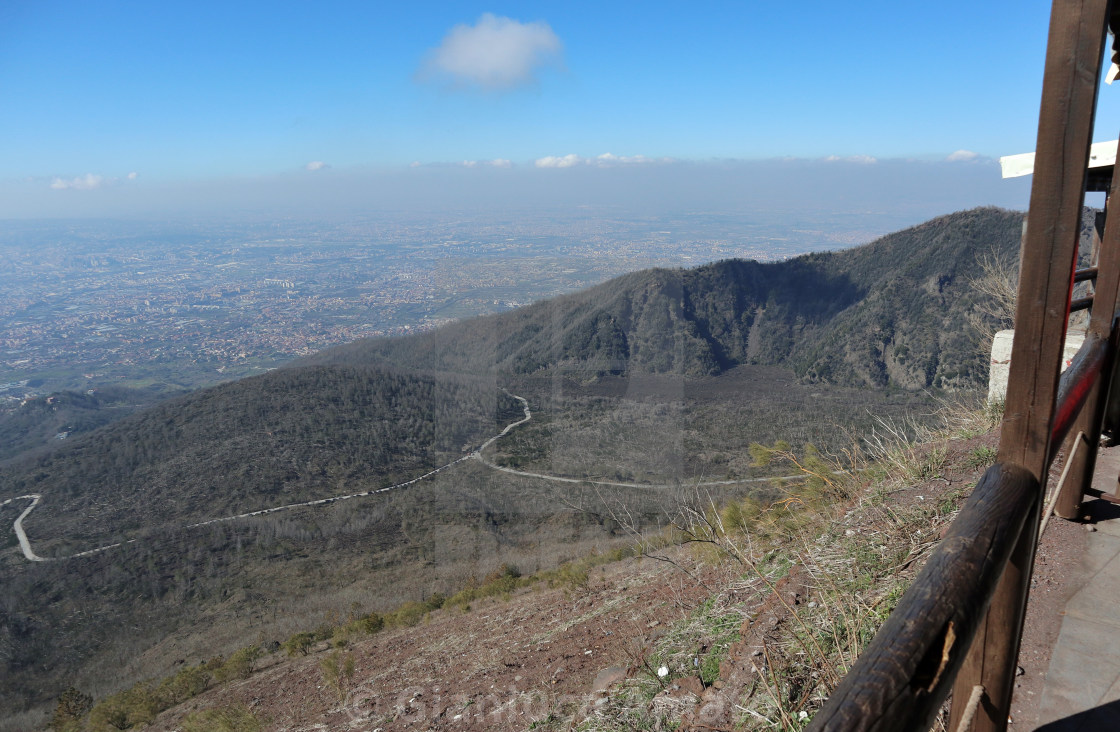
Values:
[(17, 526), (561, 479), (35, 498), (30, 554)]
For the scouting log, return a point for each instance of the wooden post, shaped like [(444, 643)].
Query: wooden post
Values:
[(1112, 404), (1065, 128), (1083, 462)]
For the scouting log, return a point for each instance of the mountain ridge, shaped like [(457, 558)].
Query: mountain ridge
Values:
[(892, 312)]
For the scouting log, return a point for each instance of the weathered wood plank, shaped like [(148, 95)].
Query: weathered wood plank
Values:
[(1050, 243), (1107, 289), (902, 678), (1065, 128), (1106, 298)]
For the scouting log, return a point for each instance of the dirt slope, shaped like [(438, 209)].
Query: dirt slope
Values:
[(541, 658)]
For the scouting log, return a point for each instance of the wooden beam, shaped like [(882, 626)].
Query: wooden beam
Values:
[(1105, 300), (901, 680), (1065, 130), (1089, 274), (1053, 229), (1081, 303), (1076, 386)]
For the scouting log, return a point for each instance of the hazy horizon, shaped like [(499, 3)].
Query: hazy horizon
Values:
[(900, 190), (334, 110)]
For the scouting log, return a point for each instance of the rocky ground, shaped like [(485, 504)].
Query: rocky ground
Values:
[(505, 664), (562, 657)]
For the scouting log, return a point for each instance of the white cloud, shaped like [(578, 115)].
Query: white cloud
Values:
[(317, 165), (567, 161), (495, 53), (861, 159), (87, 182), (497, 163), (607, 159), (962, 156), (132, 175)]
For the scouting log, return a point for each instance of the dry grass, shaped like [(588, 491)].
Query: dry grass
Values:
[(856, 548)]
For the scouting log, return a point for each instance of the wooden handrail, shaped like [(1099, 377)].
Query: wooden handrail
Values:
[(1081, 303), (1073, 389), (1083, 275), (902, 678)]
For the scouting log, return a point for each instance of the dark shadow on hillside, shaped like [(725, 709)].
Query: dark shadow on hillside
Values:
[(814, 292), (772, 303)]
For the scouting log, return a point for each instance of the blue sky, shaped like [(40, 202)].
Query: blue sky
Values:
[(153, 100)]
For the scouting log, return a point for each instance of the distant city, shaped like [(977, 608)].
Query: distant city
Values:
[(173, 305)]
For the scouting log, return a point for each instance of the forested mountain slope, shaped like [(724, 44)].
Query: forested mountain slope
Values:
[(46, 422), (289, 435), (890, 312)]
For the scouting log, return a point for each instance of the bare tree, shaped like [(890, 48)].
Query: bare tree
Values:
[(998, 282)]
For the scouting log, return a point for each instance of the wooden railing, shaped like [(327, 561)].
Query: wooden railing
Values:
[(1076, 385), (958, 628), (903, 677)]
